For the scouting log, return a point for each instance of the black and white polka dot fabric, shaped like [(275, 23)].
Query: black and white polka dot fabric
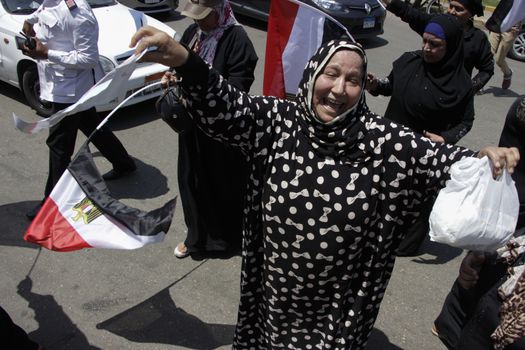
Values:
[(325, 209)]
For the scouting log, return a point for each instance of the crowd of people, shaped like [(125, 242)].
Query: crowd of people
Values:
[(319, 193)]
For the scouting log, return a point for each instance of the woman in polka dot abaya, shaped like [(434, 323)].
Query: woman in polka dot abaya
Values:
[(331, 187)]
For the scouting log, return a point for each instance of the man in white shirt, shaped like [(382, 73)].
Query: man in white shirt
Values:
[(66, 50)]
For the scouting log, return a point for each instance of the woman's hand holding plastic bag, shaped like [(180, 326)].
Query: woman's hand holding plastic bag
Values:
[(501, 158), (478, 208)]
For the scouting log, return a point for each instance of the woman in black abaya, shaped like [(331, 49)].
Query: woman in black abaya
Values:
[(431, 93), (211, 174), (331, 186)]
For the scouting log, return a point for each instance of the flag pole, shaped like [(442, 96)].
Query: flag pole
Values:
[(34, 261), (105, 120), (325, 15)]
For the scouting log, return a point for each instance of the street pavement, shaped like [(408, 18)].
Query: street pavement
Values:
[(148, 299)]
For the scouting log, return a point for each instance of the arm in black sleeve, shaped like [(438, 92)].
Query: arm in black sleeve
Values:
[(240, 60), (384, 86), (454, 134), (416, 19), (484, 65)]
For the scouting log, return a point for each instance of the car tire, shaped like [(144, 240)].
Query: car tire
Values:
[(517, 50), (434, 7), (31, 89)]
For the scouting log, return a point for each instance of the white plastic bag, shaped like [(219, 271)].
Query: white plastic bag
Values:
[(474, 211)]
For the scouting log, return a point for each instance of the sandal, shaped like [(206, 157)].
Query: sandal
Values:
[(434, 330), (181, 251)]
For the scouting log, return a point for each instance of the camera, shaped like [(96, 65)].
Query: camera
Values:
[(25, 40)]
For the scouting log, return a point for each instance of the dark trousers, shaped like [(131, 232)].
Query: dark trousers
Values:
[(418, 231), (61, 143)]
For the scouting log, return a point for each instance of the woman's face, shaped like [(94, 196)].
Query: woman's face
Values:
[(209, 23), (338, 87), (434, 48), (455, 8)]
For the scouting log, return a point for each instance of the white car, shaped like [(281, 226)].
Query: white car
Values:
[(117, 24), (152, 6)]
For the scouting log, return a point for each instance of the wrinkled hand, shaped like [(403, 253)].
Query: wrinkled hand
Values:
[(168, 79), (433, 137), (469, 269), (371, 82), (501, 157), (169, 52)]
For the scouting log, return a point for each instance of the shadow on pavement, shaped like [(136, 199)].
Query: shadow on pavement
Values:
[(200, 256), (442, 253), (497, 92), (12, 92), (379, 340), (159, 320), (144, 183), (131, 116), (15, 223), (55, 328)]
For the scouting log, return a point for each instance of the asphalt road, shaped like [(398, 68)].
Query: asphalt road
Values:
[(148, 299)]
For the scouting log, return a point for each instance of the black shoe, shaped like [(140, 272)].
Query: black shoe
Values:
[(32, 213), (114, 174)]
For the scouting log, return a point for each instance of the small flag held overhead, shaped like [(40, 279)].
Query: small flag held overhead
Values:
[(295, 32)]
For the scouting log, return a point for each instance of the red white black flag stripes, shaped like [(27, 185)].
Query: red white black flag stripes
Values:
[(80, 213), (507, 14), (295, 31)]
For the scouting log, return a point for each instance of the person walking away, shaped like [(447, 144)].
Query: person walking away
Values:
[(500, 44), (476, 46), (66, 36), (212, 175)]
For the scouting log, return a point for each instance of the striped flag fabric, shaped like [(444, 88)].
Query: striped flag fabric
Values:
[(506, 14), (81, 213), (103, 92), (295, 31)]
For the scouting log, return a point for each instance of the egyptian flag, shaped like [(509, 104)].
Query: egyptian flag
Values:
[(507, 14), (80, 213), (295, 32)]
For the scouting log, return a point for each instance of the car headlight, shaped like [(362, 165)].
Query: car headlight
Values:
[(106, 63), (330, 5)]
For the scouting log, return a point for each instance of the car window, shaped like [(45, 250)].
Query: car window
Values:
[(21, 7), (101, 3)]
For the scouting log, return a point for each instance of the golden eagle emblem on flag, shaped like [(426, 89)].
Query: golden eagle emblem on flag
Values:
[(86, 210)]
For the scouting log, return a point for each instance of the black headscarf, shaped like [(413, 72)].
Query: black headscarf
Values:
[(475, 7), (337, 138), (513, 135), (447, 81)]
